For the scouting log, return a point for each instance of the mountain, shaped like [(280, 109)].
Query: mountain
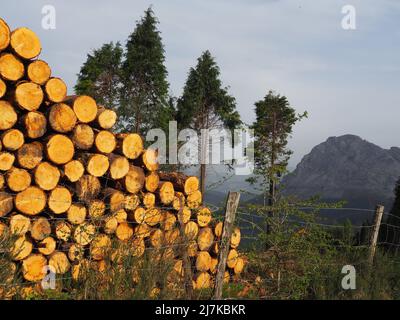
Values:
[(347, 168)]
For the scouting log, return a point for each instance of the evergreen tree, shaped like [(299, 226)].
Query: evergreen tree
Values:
[(144, 91), (389, 234), (99, 76), (205, 104), (273, 126)]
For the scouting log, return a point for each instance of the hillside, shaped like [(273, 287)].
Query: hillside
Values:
[(347, 168)]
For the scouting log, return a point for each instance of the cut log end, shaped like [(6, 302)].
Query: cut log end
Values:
[(39, 72), (74, 170), (106, 118), (85, 108), (131, 145), (105, 142), (4, 35), (41, 229), (60, 149), (83, 136), (35, 124), (8, 115), (60, 200), (25, 43), (56, 90), (30, 155), (31, 201), (12, 139), (29, 96), (62, 118), (11, 68), (33, 267)]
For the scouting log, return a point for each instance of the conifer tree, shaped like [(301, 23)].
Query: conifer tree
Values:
[(205, 103), (144, 91)]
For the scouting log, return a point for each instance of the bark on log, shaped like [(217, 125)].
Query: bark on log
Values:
[(25, 43), (38, 72)]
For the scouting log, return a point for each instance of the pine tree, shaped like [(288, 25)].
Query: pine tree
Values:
[(273, 126), (144, 91), (389, 234), (205, 104), (99, 76)]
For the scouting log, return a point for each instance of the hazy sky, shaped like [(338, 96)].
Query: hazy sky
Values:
[(348, 80)]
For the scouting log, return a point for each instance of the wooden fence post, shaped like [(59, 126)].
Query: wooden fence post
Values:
[(375, 232), (230, 215)]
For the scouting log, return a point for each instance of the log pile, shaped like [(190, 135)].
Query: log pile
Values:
[(70, 187)]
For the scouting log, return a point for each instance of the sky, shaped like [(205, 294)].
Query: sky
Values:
[(347, 80)]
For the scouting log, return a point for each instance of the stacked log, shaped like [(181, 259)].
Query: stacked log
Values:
[(70, 186)]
